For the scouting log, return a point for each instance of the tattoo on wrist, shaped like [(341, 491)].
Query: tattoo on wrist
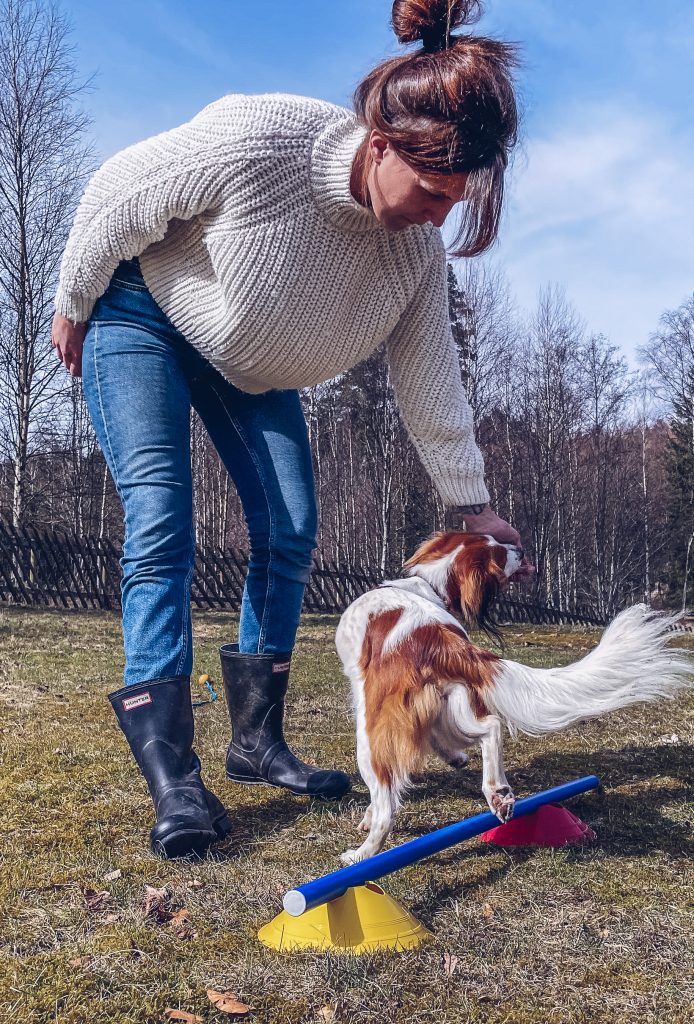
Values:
[(472, 510), (456, 514)]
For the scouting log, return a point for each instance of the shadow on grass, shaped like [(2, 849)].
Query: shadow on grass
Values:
[(627, 812), (637, 782), (629, 822), (260, 822), (438, 895)]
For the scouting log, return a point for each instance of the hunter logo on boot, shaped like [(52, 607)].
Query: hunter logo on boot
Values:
[(129, 703), (281, 666)]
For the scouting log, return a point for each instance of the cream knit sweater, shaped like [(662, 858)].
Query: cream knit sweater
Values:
[(252, 244)]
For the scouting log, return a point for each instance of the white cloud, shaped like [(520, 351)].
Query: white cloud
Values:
[(603, 205)]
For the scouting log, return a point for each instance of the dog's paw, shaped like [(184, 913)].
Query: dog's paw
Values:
[(503, 802), (351, 857)]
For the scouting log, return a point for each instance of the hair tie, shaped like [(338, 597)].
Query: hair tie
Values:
[(434, 42)]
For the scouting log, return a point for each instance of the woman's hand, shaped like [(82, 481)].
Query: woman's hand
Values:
[(487, 521), (68, 339)]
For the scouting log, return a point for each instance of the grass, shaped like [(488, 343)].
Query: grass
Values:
[(595, 933)]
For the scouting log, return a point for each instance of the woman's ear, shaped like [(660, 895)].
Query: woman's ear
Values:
[(378, 144)]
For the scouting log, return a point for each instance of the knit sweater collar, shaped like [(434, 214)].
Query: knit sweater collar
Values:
[(331, 167)]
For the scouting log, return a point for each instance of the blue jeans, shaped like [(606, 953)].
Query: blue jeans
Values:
[(141, 377)]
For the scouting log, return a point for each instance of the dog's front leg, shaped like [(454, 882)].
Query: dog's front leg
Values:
[(381, 813), (495, 785)]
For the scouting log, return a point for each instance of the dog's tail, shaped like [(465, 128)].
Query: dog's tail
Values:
[(632, 663)]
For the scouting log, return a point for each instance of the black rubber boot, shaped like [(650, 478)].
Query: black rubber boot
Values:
[(255, 687), (157, 720)]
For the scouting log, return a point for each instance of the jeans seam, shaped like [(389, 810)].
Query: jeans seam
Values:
[(269, 587), (102, 411), (129, 323), (186, 613), (131, 286)]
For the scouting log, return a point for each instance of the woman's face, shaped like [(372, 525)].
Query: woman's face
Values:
[(401, 196)]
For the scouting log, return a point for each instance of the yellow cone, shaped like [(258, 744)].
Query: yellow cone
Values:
[(363, 920)]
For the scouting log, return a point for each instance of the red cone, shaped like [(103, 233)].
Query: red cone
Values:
[(549, 825)]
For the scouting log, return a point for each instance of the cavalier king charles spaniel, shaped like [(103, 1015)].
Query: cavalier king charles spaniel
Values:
[(420, 685)]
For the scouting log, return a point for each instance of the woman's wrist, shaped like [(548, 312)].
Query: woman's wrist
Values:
[(456, 515)]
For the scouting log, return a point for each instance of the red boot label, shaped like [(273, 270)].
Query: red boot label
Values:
[(130, 703)]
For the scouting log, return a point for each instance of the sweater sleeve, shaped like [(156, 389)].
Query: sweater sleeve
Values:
[(425, 373), (129, 202)]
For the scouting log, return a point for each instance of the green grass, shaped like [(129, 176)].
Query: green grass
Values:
[(595, 933)]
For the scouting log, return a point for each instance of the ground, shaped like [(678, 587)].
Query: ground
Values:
[(600, 933)]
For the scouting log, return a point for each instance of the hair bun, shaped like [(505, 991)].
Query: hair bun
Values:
[(432, 21)]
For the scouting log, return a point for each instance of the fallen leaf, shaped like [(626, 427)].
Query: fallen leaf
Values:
[(182, 926), (228, 1003), (76, 962), (110, 918), (327, 1013), (487, 910), (196, 883), (450, 962), (156, 904), (112, 876), (191, 1018), (96, 899)]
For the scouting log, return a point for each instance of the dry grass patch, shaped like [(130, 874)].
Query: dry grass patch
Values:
[(600, 933)]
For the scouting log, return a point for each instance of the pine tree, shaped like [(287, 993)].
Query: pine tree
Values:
[(681, 481)]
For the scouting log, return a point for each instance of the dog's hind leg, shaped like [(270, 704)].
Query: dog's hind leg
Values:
[(363, 749), (486, 730), (379, 815)]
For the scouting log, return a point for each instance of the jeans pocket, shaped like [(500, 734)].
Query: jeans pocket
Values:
[(131, 286)]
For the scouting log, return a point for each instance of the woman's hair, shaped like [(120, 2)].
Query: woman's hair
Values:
[(447, 107)]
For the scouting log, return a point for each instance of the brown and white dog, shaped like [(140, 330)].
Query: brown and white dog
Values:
[(420, 685)]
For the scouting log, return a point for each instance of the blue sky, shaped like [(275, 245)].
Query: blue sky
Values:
[(601, 195)]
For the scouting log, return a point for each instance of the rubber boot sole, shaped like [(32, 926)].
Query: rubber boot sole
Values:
[(183, 843), (191, 843), (245, 781)]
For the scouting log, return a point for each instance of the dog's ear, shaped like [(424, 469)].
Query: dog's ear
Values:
[(437, 546), (474, 584)]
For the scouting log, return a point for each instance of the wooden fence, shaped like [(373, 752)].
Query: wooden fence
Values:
[(52, 568)]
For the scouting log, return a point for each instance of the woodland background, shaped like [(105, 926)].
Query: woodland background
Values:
[(591, 460)]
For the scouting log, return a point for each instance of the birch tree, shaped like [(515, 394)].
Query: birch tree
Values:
[(43, 162)]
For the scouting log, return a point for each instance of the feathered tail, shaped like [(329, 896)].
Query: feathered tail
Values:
[(632, 663)]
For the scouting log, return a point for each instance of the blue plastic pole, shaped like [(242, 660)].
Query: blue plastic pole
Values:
[(305, 897)]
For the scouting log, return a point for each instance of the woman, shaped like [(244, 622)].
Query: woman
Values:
[(271, 243)]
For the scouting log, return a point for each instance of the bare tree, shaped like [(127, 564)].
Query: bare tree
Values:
[(483, 326), (43, 162), (670, 356), (546, 410)]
